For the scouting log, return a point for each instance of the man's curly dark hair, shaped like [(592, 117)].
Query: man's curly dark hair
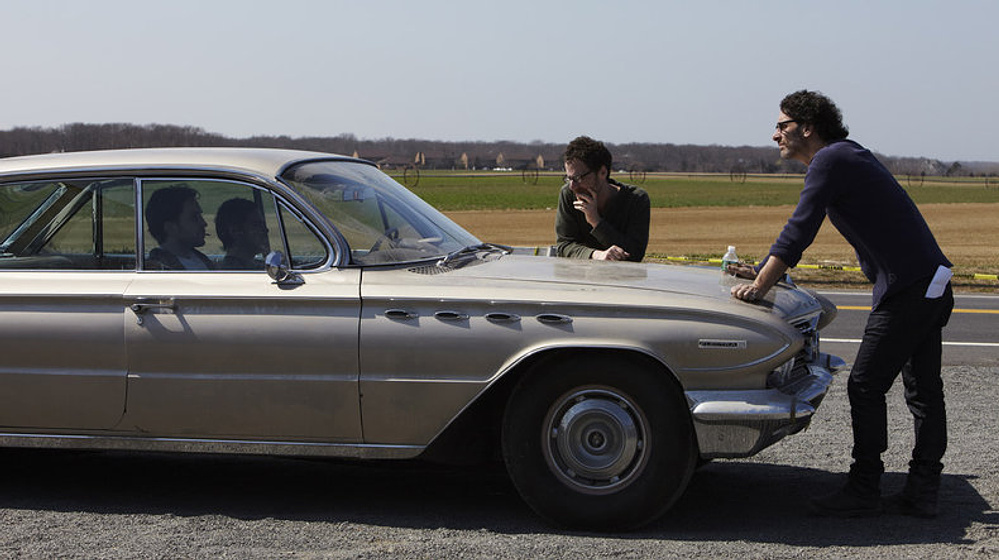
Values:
[(591, 152), (817, 110)]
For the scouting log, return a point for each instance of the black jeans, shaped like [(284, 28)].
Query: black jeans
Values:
[(903, 334)]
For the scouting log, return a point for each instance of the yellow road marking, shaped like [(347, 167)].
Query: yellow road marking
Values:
[(866, 308)]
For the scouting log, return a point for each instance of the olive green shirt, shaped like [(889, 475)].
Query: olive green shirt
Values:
[(625, 223)]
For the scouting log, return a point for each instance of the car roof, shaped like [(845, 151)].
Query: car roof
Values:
[(258, 161)]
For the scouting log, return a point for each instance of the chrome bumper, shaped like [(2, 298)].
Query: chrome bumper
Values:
[(743, 423)]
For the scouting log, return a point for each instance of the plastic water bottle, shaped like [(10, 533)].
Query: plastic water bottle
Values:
[(729, 258)]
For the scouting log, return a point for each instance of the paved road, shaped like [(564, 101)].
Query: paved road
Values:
[(971, 337)]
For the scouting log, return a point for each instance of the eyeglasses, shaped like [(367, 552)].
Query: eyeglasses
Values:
[(782, 125), (577, 178)]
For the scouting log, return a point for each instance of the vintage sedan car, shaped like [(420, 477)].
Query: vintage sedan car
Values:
[(341, 316)]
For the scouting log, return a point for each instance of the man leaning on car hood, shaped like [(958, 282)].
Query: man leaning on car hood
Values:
[(598, 217), (912, 300)]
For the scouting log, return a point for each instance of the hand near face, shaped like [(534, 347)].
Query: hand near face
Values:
[(586, 202), (613, 253)]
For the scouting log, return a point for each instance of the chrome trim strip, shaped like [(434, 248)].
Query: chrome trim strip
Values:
[(136, 171), (202, 445)]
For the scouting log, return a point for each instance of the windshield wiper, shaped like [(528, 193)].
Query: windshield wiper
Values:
[(473, 251)]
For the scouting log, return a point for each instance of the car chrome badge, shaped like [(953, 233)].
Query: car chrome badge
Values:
[(715, 343)]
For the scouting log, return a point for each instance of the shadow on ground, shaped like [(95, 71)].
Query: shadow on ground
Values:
[(726, 500)]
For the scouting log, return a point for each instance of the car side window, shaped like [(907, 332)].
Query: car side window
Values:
[(304, 247), (86, 224), (219, 225), (101, 233)]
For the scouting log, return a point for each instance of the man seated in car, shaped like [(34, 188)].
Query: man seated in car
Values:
[(243, 232), (175, 219)]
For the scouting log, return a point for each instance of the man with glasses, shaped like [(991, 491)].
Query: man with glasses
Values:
[(598, 217), (912, 300)]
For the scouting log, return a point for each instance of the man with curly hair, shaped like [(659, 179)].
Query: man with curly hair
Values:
[(912, 300), (598, 217)]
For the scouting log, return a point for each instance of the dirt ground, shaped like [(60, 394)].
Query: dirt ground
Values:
[(964, 231)]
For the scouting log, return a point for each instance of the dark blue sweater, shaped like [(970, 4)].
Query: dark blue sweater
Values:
[(871, 210)]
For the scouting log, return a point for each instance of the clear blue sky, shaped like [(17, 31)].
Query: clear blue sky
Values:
[(913, 77)]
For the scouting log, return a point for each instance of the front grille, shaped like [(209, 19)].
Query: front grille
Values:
[(808, 328), (794, 375), (791, 377)]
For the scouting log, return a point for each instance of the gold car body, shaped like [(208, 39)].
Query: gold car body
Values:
[(351, 359)]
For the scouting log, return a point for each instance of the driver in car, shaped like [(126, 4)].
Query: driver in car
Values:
[(175, 219)]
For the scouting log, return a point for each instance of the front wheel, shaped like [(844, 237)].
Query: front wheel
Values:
[(599, 444)]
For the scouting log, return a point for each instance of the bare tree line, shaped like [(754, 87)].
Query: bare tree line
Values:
[(431, 154)]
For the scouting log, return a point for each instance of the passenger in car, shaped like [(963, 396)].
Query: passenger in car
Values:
[(174, 218), (243, 232)]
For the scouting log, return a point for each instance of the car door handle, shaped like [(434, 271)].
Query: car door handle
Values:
[(142, 305)]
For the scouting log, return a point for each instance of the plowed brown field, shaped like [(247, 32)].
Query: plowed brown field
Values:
[(966, 232)]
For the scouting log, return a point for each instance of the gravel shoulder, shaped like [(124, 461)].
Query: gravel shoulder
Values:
[(118, 505)]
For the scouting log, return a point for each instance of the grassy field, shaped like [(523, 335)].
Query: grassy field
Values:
[(698, 216), (508, 191)]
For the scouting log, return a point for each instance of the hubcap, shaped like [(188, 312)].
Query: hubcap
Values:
[(596, 440)]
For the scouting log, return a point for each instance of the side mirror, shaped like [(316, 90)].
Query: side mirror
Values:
[(278, 270)]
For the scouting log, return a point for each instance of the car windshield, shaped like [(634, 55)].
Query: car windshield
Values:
[(382, 221)]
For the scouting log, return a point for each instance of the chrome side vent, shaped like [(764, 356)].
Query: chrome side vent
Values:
[(502, 317), (554, 319), (431, 269)]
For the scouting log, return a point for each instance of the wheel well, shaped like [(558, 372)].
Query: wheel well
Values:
[(473, 437)]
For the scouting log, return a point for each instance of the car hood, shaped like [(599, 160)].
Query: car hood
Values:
[(563, 280)]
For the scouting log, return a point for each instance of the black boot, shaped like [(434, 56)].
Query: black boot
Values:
[(846, 502), (920, 496), (860, 497), (905, 504)]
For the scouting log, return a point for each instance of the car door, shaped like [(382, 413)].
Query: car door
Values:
[(227, 353), (68, 256)]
